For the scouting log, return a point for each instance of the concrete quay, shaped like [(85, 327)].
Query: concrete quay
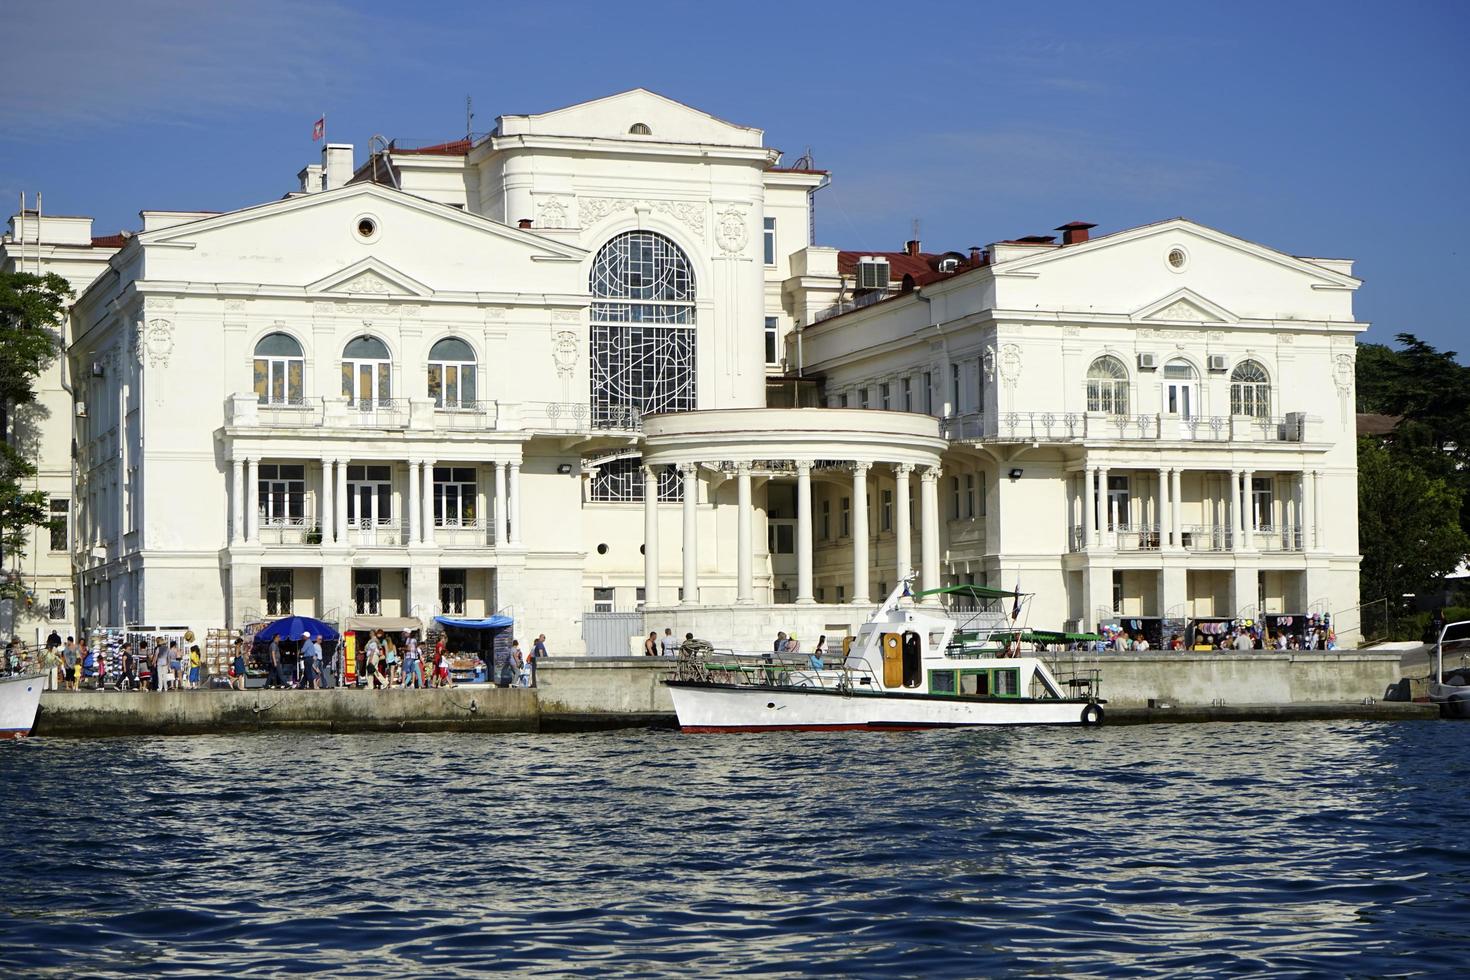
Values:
[(585, 693)]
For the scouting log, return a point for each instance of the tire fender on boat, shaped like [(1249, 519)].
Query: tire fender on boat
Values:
[(1092, 715)]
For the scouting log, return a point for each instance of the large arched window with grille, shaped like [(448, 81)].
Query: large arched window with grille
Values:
[(1250, 390), (452, 374), (642, 360), (1107, 386), (279, 370)]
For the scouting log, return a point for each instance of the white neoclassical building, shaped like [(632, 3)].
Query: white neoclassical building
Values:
[(592, 362)]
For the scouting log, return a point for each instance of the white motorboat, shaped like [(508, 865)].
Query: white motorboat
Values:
[(1452, 696), (909, 666), (19, 698)]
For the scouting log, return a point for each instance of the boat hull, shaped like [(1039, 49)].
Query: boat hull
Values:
[(19, 699), (708, 707)]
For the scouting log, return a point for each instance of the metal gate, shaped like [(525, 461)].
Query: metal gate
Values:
[(607, 634)]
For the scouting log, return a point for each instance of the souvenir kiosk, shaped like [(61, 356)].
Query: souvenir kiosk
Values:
[(479, 649)]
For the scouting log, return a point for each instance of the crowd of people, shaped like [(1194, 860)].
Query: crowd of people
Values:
[(164, 664)]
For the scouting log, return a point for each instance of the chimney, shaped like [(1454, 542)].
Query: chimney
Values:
[(311, 178), (337, 165), (524, 223), (1074, 232), (976, 255), (911, 246)]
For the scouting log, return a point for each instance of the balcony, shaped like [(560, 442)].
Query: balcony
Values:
[(1206, 538), (421, 415), (1056, 427), (1140, 537), (288, 531), (1277, 539), (463, 534), (388, 534), (467, 416)]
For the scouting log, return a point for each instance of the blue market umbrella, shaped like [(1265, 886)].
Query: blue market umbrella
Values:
[(292, 627)]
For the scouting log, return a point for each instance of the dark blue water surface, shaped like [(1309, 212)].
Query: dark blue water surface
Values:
[(1327, 849)]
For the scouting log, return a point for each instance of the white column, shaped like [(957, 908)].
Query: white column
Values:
[(744, 589), (426, 496), (860, 568), (901, 538), (327, 498), (252, 500), (413, 509), (515, 503), (237, 500), (1236, 534), (500, 508), (1314, 516), (1161, 512), (650, 537), (929, 526), (1248, 512), (1176, 479), (1089, 504), (340, 486), (804, 532), (690, 473), (1106, 521)]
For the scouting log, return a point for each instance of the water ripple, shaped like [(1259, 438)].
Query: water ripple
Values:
[(1305, 850)]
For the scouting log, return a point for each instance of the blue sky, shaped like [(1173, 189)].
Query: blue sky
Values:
[(1330, 129)]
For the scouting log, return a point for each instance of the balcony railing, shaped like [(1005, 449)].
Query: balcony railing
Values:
[(463, 534), (1079, 426), (378, 413), (1267, 538), (287, 530), (385, 535), (244, 410), (474, 416), (1206, 537), (848, 305), (1139, 537)]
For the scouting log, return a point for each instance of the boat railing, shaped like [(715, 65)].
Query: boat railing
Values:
[(711, 665)]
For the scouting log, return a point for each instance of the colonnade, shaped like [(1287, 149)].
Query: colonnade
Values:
[(745, 591), (1300, 508), (417, 520)]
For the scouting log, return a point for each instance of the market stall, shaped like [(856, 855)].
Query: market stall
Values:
[(479, 649)]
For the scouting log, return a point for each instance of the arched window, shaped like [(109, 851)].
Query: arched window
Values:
[(367, 371), (1107, 386), (279, 370), (640, 129), (1250, 390), (452, 374), (642, 329)]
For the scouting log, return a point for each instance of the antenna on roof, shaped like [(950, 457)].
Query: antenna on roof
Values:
[(805, 161), (469, 117)]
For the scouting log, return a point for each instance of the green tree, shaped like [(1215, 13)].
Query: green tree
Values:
[(31, 310), (1408, 524)]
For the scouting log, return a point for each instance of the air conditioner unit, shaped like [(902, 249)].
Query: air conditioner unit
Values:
[(1148, 362), (1296, 423), (1217, 362), (81, 408), (872, 274)]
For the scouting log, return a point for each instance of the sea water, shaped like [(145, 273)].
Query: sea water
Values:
[(1316, 848)]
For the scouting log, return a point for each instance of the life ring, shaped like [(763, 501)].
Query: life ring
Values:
[(1092, 715)]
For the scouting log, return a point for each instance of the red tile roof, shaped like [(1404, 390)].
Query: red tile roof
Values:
[(110, 241), (923, 268), (454, 148)]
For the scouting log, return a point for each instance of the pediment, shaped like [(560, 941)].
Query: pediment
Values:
[(612, 116), (1185, 305), (370, 277)]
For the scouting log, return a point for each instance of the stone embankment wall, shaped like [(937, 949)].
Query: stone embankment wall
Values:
[(580, 693)]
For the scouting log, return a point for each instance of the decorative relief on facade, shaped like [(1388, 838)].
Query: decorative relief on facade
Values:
[(1342, 372), (564, 347), (494, 314), (153, 340), (591, 210), (1010, 363), (365, 283), (1217, 336), (159, 302), (565, 316), (235, 305), (1287, 338), (1181, 310), (987, 363), (553, 213), (731, 231), (1071, 330)]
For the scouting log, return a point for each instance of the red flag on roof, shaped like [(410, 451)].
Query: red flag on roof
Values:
[(319, 129)]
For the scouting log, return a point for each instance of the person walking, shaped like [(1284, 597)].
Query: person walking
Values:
[(413, 671), (194, 662), (49, 661), (528, 668), (69, 665), (238, 670), (650, 645), (276, 677)]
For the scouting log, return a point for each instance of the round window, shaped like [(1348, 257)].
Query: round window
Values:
[(1177, 259), (602, 549), (366, 227)]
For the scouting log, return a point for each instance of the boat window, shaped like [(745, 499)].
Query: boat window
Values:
[(1007, 683), (913, 660), (975, 683), (941, 682)]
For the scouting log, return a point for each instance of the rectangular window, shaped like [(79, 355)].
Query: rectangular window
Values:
[(908, 395), (980, 385), (367, 590), (954, 508), (454, 496), (640, 596), (282, 494), (278, 591), (969, 494), (602, 599), (954, 389), (842, 593), (781, 537), (941, 682), (1007, 683), (842, 400), (1261, 503), (60, 524), (826, 520), (821, 594), (369, 496), (885, 513), (773, 332), (975, 683), (883, 396), (1118, 593), (770, 241), (1119, 504), (452, 591), (928, 392), (56, 608), (863, 397), (846, 521), (980, 496)]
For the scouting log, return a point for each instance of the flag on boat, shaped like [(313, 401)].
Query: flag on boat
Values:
[(319, 128), (1016, 606)]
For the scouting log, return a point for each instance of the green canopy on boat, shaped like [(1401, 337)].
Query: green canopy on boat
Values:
[(1046, 636), (972, 591)]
